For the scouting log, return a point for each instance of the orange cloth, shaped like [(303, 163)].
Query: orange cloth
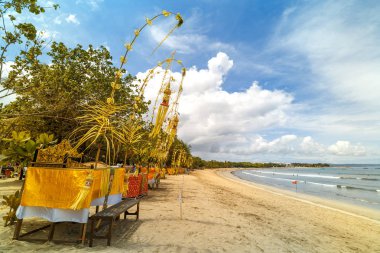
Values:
[(151, 176)]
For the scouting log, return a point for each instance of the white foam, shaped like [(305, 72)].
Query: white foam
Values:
[(290, 180), (297, 174), (327, 185), (276, 178)]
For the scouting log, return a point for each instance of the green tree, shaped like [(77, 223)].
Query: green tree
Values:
[(15, 34), (50, 96), (198, 162), (20, 148)]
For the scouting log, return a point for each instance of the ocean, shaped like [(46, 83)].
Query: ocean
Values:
[(354, 184)]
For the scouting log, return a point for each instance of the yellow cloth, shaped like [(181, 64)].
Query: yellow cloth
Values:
[(101, 178), (53, 187), (58, 187), (118, 181)]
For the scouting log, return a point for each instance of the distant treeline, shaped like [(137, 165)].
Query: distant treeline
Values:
[(310, 165), (200, 163)]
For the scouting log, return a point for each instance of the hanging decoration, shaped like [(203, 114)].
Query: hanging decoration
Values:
[(100, 121), (83, 193)]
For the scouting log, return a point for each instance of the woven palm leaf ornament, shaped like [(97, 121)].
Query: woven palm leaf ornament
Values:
[(165, 92), (171, 129), (100, 119), (166, 116), (189, 161), (174, 157), (139, 98), (162, 110), (160, 140), (180, 158), (173, 116)]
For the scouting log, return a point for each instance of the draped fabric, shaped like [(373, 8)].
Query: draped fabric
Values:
[(134, 186), (59, 187), (118, 181), (101, 179), (144, 184), (53, 187), (60, 215)]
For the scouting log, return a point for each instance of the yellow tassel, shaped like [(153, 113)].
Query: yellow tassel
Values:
[(125, 185), (144, 180), (162, 111), (161, 114), (83, 193)]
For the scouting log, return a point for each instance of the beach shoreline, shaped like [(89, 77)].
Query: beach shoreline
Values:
[(350, 209), (219, 214)]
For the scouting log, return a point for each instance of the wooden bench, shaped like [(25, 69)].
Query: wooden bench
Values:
[(111, 214)]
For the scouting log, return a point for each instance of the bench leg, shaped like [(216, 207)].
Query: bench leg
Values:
[(16, 234), (51, 232), (135, 213), (138, 211), (110, 233), (92, 232), (84, 229)]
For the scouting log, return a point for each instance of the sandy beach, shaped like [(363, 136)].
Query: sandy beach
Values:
[(222, 214)]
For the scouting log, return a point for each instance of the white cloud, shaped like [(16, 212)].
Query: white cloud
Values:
[(342, 51), (294, 146), (190, 38), (48, 34), (214, 120), (57, 20), (338, 42), (228, 125), (282, 145), (94, 4), (310, 146), (7, 67), (345, 148), (332, 46), (71, 18), (187, 43)]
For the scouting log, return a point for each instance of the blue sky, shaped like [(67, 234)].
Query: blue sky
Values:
[(268, 81)]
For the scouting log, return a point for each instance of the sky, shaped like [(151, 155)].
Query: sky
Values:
[(280, 81)]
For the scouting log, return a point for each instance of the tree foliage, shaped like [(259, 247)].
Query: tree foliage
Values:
[(200, 163), (50, 96), (78, 93), (15, 34), (20, 147)]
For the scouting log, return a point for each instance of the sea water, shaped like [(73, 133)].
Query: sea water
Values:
[(354, 184)]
